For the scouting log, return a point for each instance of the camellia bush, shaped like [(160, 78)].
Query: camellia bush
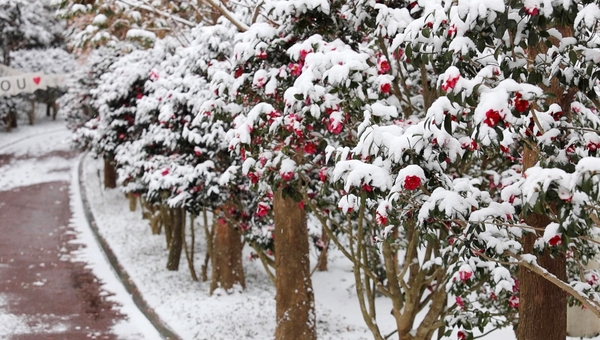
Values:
[(447, 148)]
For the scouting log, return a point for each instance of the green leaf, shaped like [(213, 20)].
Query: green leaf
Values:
[(448, 123), (573, 57)]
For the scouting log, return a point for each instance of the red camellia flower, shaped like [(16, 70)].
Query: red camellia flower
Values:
[(461, 335), (381, 220), (262, 210), (253, 177), (385, 88), (450, 83), (383, 66), (513, 301), (139, 95), (592, 146), (310, 148), (323, 174), (492, 117), (287, 176), (165, 172), (262, 55), (555, 240), (464, 275), (521, 105), (532, 11), (197, 151), (238, 72), (412, 182)]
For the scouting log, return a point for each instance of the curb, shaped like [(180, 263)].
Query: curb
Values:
[(131, 288)]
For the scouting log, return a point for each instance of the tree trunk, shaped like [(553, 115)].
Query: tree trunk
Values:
[(322, 261), (110, 173), (177, 231), (31, 114), (13, 119), (132, 201), (542, 305), (227, 269), (294, 295)]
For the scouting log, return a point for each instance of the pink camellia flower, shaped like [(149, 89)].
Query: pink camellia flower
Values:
[(287, 176), (459, 302), (412, 182), (304, 53), (334, 126), (385, 88), (452, 30), (197, 151), (295, 69), (262, 210), (513, 301), (464, 275), (383, 66), (492, 117), (153, 75)]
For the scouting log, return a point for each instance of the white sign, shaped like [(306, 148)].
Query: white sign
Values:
[(29, 83), (7, 71)]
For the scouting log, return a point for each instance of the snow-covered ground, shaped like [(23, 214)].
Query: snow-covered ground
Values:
[(186, 306)]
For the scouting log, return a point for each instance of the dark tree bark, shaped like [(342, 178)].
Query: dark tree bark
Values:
[(542, 305), (176, 246), (110, 173), (322, 261), (227, 269), (295, 299)]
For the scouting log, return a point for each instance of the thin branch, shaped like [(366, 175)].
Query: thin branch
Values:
[(240, 26)]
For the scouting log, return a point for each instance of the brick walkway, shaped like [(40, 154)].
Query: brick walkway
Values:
[(43, 295)]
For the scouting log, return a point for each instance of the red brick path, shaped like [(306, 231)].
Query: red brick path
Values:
[(56, 298)]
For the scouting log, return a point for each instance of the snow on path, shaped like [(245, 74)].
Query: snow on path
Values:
[(47, 141)]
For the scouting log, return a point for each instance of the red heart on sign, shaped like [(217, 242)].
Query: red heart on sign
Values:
[(37, 80)]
